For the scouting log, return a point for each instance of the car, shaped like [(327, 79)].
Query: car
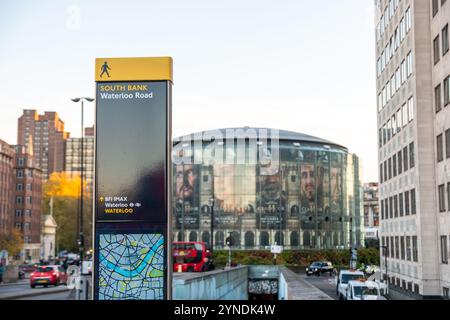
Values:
[(363, 290), (343, 278), (371, 269), (319, 267), (48, 275)]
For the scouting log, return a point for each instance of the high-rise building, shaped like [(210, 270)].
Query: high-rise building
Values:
[(27, 188), (413, 67), (6, 191), (47, 136), (73, 156)]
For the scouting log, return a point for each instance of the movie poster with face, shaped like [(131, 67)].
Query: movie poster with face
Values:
[(336, 183), (323, 183), (187, 196), (271, 199)]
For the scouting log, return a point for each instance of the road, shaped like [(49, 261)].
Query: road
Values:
[(325, 283), (22, 290)]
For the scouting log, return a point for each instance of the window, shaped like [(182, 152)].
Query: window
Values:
[(436, 52), (19, 187), (441, 193), (394, 165), (409, 64), (407, 203), (391, 207), (405, 159), (396, 206), (408, 19), (28, 213), (382, 210), (19, 200), (390, 168), (400, 202), (400, 162), (435, 6), (415, 253), (444, 251), (389, 130), (398, 82), (447, 91), (410, 109), (408, 248), (404, 115), (437, 98), (392, 248), (402, 248), (385, 171), (446, 292), (402, 29), (440, 153), (19, 174), (445, 40), (413, 201), (411, 155), (386, 209), (397, 248), (18, 213), (399, 120), (381, 173)]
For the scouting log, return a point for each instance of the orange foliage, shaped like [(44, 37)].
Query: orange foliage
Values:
[(61, 184)]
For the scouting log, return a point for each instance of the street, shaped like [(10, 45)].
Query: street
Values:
[(21, 291), (325, 283)]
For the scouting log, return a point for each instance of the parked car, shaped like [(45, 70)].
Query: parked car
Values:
[(48, 275), (319, 267)]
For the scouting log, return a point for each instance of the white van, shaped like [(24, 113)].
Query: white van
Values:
[(363, 290), (343, 278)]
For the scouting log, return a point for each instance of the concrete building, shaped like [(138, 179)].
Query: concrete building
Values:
[(47, 137), (6, 191), (73, 156), (27, 201), (412, 70), (371, 214)]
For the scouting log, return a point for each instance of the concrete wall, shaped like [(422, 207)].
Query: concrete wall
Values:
[(216, 285)]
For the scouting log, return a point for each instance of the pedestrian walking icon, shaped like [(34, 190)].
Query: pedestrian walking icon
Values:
[(105, 69)]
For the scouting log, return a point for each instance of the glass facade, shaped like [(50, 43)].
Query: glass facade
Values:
[(311, 198)]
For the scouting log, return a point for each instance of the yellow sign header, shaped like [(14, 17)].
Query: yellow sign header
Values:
[(133, 69)]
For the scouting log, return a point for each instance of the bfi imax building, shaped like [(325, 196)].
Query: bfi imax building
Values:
[(266, 187)]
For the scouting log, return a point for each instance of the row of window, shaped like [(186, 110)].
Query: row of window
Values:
[(25, 226), (19, 213), (445, 45), (438, 95), (403, 204), (435, 6), (19, 187), (397, 164), (400, 247), (28, 200), (444, 250), (394, 125), (440, 146), (21, 173), (389, 12), (399, 77), (392, 46), (402, 284)]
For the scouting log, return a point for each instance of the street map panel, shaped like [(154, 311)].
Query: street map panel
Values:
[(131, 267)]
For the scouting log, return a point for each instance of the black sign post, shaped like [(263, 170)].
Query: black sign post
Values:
[(132, 257)]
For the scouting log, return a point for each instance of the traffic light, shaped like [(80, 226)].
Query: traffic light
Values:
[(229, 241)]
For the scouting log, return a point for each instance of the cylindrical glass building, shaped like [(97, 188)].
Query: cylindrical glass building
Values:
[(266, 187)]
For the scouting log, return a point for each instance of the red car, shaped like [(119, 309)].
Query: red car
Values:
[(48, 275)]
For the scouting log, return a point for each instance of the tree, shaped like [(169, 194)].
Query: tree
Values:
[(12, 242), (65, 191)]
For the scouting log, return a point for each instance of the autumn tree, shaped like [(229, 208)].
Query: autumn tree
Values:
[(64, 189), (12, 242)]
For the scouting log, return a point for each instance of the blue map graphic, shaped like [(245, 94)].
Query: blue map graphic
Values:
[(131, 267)]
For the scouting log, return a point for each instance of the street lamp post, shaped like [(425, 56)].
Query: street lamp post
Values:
[(80, 219)]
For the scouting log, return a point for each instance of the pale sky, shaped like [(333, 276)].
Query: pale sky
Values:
[(305, 66)]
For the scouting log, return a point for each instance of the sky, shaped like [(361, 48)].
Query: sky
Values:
[(302, 65)]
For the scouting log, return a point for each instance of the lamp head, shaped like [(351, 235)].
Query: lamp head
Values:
[(76, 99)]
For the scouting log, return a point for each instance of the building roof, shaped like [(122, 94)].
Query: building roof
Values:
[(283, 135)]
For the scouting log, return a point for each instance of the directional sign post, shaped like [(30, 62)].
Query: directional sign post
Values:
[(133, 179)]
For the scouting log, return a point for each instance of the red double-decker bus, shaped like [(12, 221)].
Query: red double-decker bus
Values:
[(191, 257)]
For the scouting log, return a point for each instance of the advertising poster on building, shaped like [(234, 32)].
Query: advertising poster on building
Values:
[(187, 196), (336, 184)]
